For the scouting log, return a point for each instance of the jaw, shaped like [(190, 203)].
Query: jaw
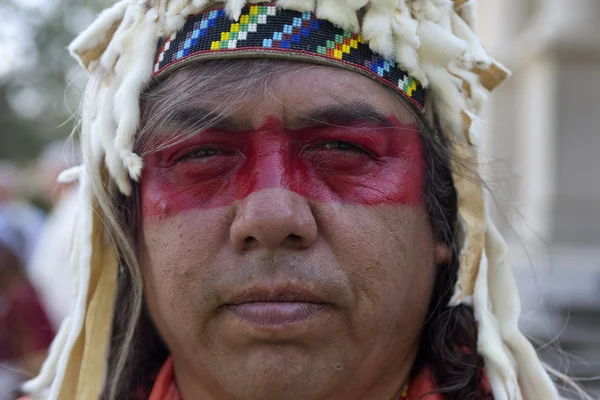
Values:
[(292, 372)]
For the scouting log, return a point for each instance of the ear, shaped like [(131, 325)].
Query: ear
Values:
[(441, 253)]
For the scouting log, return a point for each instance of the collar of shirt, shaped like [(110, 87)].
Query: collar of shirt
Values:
[(166, 389)]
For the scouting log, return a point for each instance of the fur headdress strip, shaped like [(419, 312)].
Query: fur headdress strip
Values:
[(433, 40)]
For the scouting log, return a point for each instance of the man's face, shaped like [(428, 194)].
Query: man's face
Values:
[(286, 251)]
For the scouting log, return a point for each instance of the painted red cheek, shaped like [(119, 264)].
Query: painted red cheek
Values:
[(390, 171)]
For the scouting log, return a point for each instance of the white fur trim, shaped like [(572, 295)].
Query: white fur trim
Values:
[(356, 4), (70, 175), (336, 12), (298, 5), (116, 46), (233, 8), (174, 20), (377, 28), (406, 28), (126, 99), (437, 46), (476, 54), (103, 128), (467, 12), (499, 366), (97, 32), (504, 295)]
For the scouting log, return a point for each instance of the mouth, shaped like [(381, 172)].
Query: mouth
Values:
[(275, 307), (274, 314)]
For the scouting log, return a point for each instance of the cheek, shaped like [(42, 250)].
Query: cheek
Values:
[(388, 253), (175, 253)]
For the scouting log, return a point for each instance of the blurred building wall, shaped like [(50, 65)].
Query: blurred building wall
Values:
[(543, 166)]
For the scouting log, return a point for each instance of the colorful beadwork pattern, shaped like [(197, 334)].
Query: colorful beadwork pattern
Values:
[(263, 28)]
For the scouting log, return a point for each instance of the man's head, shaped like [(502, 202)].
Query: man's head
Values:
[(304, 249)]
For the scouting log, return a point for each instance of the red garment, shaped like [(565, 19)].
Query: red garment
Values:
[(166, 389), (420, 388)]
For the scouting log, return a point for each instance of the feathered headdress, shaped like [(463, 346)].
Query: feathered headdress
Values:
[(416, 46)]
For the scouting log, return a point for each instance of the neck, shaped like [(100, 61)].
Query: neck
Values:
[(375, 384)]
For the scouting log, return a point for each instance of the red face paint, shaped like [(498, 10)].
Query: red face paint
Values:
[(366, 163)]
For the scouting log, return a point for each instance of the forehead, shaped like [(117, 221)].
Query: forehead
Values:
[(251, 90)]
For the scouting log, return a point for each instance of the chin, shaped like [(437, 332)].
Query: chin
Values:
[(280, 371)]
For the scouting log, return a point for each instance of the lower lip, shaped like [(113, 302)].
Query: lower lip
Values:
[(274, 314)]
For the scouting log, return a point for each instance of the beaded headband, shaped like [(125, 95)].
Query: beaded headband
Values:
[(265, 30)]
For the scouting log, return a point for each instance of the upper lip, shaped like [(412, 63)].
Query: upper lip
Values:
[(275, 293)]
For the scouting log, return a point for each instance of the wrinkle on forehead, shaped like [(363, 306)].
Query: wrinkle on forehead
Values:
[(239, 97)]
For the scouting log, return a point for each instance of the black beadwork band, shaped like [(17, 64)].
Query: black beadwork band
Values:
[(264, 30)]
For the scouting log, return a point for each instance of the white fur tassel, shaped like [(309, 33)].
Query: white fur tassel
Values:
[(408, 58), (116, 46), (297, 5), (356, 4), (438, 47), (190, 9), (103, 128), (504, 295), (405, 27), (478, 95), (445, 9), (233, 8), (337, 12), (451, 102), (467, 12), (97, 32), (377, 28), (126, 99), (499, 367), (475, 54), (406, 42), (70, 175), (174, 20)]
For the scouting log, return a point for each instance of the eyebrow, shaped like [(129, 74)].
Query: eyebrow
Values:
[(342, 114), (201, 118)]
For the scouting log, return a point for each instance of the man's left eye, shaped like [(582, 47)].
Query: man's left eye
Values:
[(341, 145)]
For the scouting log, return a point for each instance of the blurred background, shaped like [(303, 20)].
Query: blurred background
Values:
[(543, 168), (542, 165)]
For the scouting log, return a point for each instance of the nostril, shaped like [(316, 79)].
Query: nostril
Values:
[(294, 238), (249, 241)]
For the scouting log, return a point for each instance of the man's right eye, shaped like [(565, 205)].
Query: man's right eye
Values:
[(202, 153)]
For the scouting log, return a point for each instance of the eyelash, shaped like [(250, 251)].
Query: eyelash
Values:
[(340, 145), (194, 154)]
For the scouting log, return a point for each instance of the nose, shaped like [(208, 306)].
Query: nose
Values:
[(273, 218)]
